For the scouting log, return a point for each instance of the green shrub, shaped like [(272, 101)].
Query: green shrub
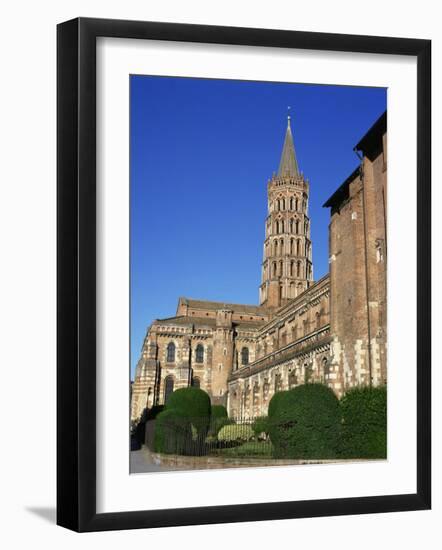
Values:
[(305, 422), (183, 429), (249, 449), (218, 411), (172, 432), (277, 398), (218, 419), (261, 426), (364, 423), (138, 429), (193, 403), (153, 412), (236, 432)]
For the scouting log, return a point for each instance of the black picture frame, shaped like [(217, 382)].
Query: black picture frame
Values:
[(76, 274)]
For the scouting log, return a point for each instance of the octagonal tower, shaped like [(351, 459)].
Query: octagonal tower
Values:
[(287, 268)]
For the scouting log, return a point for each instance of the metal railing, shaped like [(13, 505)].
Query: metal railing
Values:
[(222, 437)]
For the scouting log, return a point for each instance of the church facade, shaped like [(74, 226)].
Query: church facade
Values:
[(332, 330)]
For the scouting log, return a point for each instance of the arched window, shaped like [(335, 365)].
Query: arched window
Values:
[(281, 247), (265, 390), (277, 227), (245, 356), (170, 352), (291, 225), (296, 204), (280, 292), (280, 269), (292, 246), (297, 226), (298, 269), (291, 203), (195, 382), (293, 379), (304, 327), (274, 269), (199, 354), (168, 387), (291, 268), (325, 368), (283, 204), (282, 226), (318, 320), (298, 247), (275, 248), (278, 383)]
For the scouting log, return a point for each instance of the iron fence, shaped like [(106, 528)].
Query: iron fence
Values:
[(228, 437)]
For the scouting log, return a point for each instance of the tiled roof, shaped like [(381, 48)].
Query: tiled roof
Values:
[(237, 308), (210, 322), (186, 320)]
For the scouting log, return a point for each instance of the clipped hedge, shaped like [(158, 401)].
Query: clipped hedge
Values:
[(218, 419), (305, 422), (261, 426), (173, 433), (218, 411), (154, 411), (138, 431), (364, 423), (275, 402), (182, 427), (193, 403), (236, 432)]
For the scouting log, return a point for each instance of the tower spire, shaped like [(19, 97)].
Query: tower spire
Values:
[(287, 268), (288, 165)]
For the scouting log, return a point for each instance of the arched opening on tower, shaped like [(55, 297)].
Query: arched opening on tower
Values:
[(168, 387), (199, 354), (170, 357)]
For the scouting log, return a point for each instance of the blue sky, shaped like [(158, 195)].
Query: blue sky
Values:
[(201, 152)]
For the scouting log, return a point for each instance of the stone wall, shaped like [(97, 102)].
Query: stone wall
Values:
[(289, 350), (224, 342), (358, 276)]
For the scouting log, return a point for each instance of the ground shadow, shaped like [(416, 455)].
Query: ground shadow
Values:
[(46, 513)]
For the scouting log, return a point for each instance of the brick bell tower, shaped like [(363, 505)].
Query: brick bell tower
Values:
[(287, 268)]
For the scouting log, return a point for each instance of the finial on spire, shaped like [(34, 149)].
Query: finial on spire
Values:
[(288, 165)]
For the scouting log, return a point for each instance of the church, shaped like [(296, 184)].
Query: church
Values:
[(332, 330)]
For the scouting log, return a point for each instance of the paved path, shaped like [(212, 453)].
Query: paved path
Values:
[(141, 462)]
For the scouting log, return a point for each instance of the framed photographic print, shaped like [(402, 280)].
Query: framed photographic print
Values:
[(243, 274)]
